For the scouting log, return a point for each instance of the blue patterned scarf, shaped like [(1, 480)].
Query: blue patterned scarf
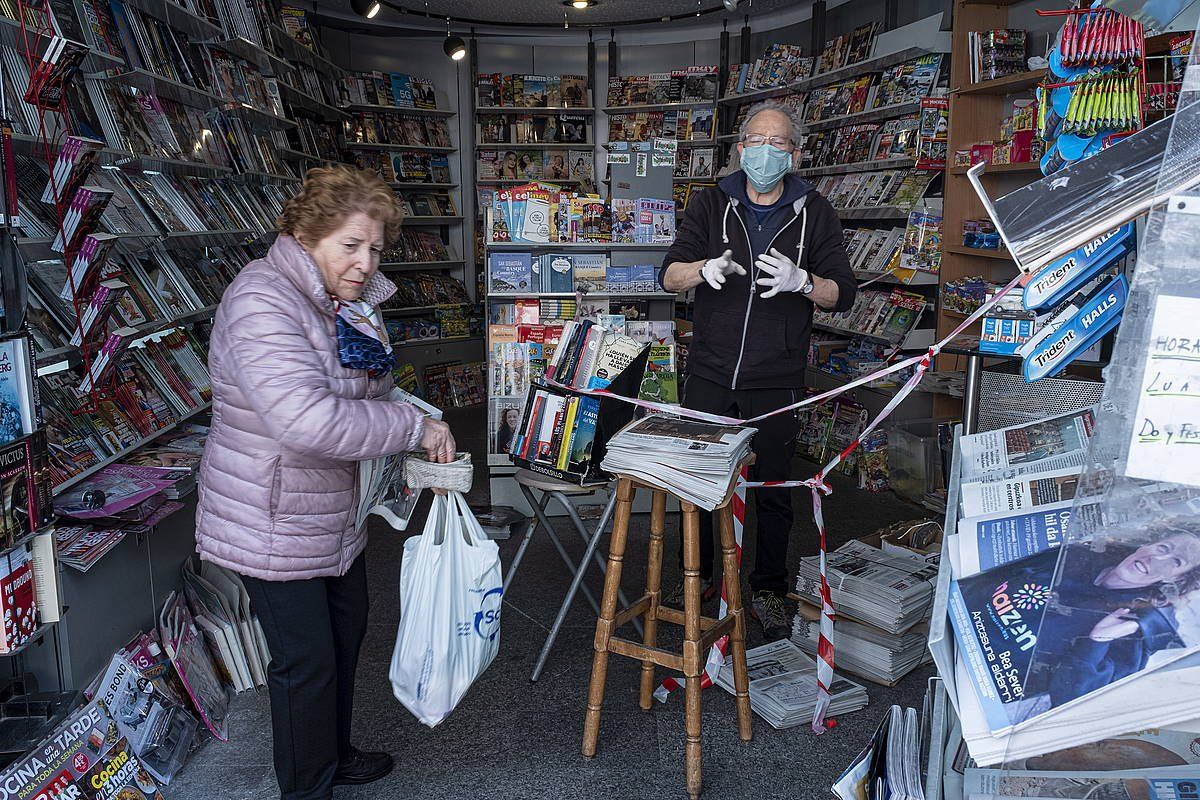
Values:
[(362, 338)]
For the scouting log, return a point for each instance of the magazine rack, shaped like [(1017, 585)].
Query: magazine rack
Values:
[(612, 417)]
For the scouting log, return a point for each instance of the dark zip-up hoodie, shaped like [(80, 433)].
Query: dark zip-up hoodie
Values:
[(739, 339)]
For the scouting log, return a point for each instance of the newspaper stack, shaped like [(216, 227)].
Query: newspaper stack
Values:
[(695, 461), (865, 651), (381, 487), (891, 591), (783, 685)]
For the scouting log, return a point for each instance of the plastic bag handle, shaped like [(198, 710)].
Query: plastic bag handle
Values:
[(471, 530)]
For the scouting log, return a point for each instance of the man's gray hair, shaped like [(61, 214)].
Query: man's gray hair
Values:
[(773, 105)]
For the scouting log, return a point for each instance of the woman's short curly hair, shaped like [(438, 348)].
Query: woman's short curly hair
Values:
[(331, 194)]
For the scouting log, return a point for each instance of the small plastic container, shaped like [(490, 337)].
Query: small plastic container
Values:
[(915, 459)]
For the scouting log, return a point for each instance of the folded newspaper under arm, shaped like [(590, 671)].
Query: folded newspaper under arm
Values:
[(381, 487)]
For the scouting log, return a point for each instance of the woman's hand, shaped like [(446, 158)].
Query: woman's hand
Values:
[(438, 444), (1115, 626)]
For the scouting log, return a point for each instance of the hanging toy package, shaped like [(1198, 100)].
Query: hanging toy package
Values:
[(450, 597)]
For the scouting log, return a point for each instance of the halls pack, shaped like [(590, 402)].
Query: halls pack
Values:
[(1053, 283), (1083, 323)]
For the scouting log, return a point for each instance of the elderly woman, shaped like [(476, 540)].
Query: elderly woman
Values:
[(301, 373)]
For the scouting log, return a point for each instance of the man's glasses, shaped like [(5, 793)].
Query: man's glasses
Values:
[(756, 139)]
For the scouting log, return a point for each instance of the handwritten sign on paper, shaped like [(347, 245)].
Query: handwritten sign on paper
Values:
[(1165, 443)]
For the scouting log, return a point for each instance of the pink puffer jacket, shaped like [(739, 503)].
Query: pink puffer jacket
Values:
[(278, 480)]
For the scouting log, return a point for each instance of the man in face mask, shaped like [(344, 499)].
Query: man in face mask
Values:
[(760, 249)]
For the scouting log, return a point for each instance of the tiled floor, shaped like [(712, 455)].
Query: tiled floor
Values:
[(510, 738)]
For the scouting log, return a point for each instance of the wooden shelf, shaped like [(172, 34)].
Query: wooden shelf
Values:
[(993, 169), (978, 252), (1009, 84)]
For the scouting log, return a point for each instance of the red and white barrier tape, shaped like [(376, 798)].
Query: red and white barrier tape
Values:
[(817, 485), (720, 648)]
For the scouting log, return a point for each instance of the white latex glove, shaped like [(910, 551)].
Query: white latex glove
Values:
[(783, 274), (715, 269)]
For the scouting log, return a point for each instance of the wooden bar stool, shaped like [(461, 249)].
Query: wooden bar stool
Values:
[(699, 632)]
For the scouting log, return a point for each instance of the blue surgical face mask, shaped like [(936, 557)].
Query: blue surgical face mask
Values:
[(765, 165)]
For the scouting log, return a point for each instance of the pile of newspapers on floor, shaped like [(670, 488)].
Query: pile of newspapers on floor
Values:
[(1074, 662), (890, 765), (695, 461), (882, 599), (863, 650), (783, 685)]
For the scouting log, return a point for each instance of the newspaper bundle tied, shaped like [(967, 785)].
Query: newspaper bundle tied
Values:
[(1168, 409)]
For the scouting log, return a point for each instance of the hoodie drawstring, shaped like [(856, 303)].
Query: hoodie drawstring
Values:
[(725, 222), (803, 231)]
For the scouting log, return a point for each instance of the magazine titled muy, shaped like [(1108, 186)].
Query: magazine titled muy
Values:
[(1035, 642), (1049, 444)]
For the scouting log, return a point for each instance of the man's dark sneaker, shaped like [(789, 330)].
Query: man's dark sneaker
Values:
[(674, 598), (770, 610), (363, 768)]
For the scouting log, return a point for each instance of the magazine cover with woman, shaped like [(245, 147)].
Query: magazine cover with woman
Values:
[(1035, 641)]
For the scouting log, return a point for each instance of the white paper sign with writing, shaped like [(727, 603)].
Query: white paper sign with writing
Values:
[(1165, 443)]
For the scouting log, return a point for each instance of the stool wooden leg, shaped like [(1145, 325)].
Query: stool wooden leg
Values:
[(733, 593), (693, 659), (658, 521), (608, 610)]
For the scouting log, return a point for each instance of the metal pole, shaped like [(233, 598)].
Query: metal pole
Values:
[(971, 394)]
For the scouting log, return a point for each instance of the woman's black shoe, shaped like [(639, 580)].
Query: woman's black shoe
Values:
[(363, 768)]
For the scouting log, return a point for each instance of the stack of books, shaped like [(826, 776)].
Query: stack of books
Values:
[(695, 461)]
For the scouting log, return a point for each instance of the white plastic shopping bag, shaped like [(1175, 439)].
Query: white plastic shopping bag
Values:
[(450, 594)]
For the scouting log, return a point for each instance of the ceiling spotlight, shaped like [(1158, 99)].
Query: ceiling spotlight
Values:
[(730, 5), (580, 5), (455, 47), (365, 8)]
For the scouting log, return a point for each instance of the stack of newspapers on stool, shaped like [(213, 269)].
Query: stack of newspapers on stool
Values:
[(695, 461), (783, 685)]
